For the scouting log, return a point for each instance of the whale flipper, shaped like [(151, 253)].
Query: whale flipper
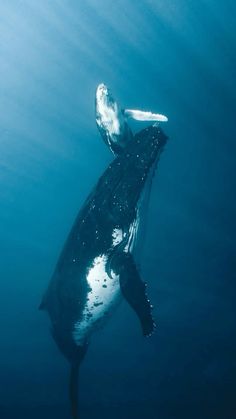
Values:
[(134, 291), (139, 115)]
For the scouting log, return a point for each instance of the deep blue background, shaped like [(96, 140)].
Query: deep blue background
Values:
[(171, 56)]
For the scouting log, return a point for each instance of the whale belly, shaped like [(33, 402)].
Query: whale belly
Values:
[(104, 293)]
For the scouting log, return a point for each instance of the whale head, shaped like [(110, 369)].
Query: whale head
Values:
[(111, 121)]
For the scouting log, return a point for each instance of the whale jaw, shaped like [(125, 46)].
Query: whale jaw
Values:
[(111, 121)]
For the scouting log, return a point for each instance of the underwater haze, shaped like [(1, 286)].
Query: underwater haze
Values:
[(175, 57)]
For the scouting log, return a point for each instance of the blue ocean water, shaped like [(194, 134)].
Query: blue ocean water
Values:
[(168, 56)]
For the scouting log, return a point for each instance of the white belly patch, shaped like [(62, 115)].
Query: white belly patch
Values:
[(104, 293)]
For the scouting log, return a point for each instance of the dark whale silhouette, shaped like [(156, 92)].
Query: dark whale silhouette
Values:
[(96, 267)]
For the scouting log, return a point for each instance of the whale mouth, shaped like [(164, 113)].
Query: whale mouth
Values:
[(108, 115), (105, 100), (102, 92)]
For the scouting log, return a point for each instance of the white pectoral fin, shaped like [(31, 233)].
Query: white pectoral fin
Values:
[(144, 116)]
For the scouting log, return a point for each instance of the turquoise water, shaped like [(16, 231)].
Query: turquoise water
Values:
[(172, 57)]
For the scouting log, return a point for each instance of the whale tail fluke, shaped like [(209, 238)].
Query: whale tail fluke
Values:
[(75, 364), (74, 389)]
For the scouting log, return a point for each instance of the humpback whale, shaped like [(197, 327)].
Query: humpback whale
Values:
[(96, 268), (112, 120)]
